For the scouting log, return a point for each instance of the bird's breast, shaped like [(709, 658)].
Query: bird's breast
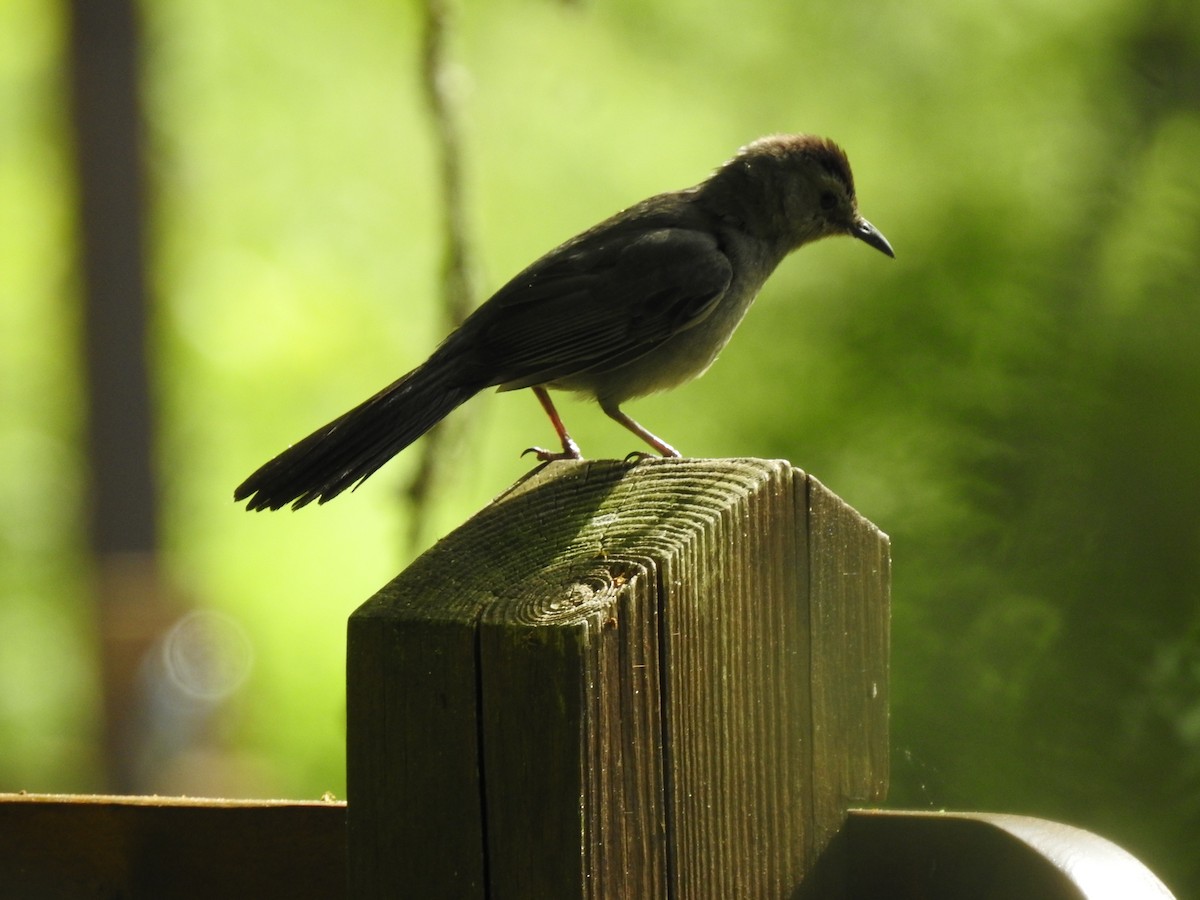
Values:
[(688, 353)]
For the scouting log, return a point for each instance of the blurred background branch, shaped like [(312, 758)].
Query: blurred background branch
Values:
[(442, 81)]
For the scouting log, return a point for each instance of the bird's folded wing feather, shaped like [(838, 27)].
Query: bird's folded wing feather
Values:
[(599, 302)]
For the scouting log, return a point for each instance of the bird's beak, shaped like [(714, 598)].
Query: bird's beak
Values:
[(870, 235)]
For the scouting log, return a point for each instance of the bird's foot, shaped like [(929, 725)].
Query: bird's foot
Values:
[(544, 455), (638, 456)]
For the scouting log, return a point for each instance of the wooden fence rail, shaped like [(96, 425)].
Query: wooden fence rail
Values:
[(57, 847), (654, 679), (69, 847)]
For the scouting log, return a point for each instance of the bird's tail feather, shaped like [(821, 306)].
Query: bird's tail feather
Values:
[(350, 448)]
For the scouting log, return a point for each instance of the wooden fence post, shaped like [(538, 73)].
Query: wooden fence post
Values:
[(652, 679)]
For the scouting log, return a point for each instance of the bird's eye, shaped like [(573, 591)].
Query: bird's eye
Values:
[(828, 200)]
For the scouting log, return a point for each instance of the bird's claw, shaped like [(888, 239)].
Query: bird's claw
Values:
[(544, 455), (637, 456)]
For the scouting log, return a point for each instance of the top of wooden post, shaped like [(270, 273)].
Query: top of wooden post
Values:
[(619, 677)]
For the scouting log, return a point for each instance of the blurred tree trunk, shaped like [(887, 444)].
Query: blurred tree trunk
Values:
[(123, 526)]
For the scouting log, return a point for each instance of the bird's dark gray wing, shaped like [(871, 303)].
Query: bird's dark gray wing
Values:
[(599, 302)]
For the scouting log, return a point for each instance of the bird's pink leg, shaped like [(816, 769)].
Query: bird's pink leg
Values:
[(570, 450), (614, 412)]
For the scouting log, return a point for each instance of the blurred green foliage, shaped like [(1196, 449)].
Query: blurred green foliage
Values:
[(1014, 399)]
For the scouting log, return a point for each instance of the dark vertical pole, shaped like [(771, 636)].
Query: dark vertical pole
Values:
[(123, 525)]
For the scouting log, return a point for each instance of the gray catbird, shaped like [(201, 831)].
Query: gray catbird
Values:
[(641, 302)]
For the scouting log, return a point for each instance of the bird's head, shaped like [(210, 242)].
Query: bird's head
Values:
[(791, 189)]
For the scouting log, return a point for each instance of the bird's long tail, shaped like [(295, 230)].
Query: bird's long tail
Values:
[(350, 448)]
